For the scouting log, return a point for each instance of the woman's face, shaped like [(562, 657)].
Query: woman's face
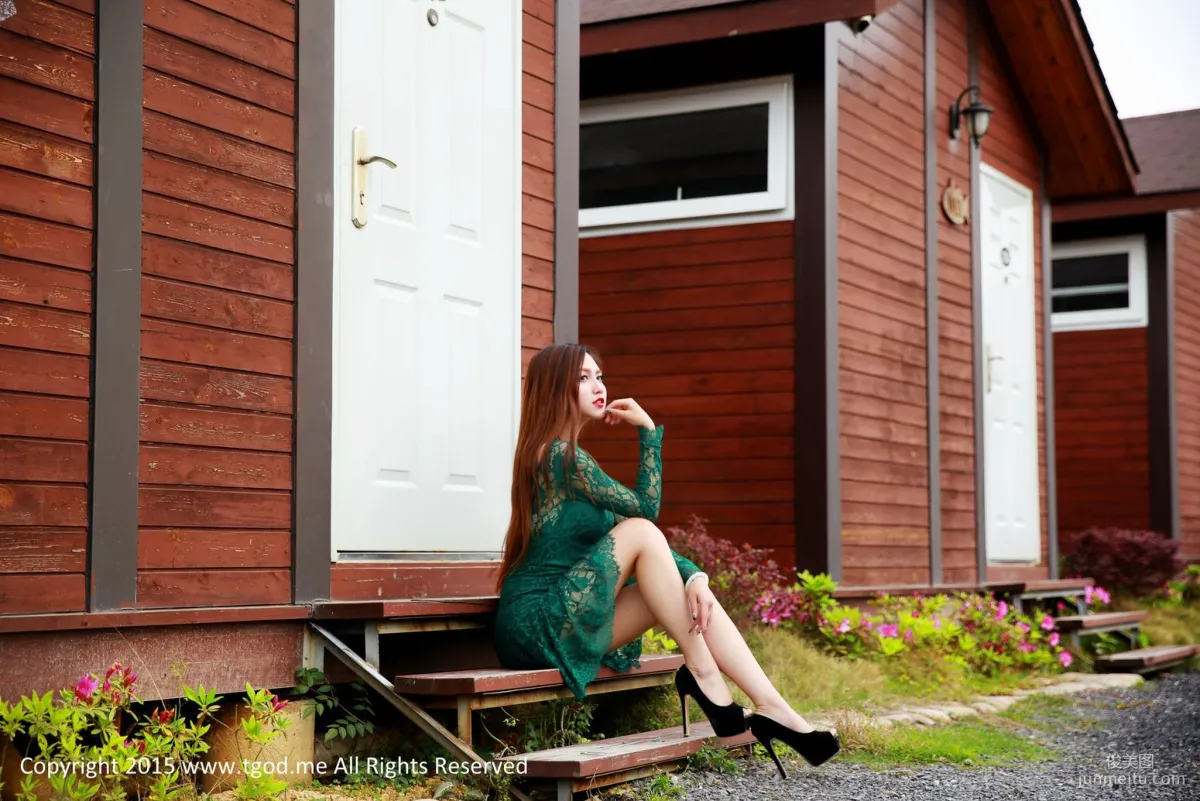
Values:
[(593, 397)]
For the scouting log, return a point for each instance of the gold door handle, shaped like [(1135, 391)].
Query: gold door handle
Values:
[(991, 359), (380, 159), (358, 175)]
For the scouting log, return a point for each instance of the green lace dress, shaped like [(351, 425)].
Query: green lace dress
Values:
[(556, 608)]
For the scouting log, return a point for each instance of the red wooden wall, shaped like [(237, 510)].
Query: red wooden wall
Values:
[(218, 205), (1102, 429), (697, 326), (1187, 375), (537, 179), (881, 302), (47, 66), (956, 372)]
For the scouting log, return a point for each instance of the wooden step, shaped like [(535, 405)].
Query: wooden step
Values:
[(404, 608), (605, 762), (1099, 622), (1042, 587), (870, 592), (501, 680), (1144, 660)]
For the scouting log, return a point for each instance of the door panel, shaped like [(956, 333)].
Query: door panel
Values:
[(427, 359), (1011, 477)]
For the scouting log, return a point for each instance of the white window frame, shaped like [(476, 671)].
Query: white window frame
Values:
[(773, 204), (1136, 314)]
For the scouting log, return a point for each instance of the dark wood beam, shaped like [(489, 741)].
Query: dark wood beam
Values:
[(566, 171), (643, 28), (818, 490), (981, 573), (315, 219), (112, 547), (1125, 206), (932, 362)]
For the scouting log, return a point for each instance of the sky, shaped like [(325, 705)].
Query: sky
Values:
[(1148, 52)]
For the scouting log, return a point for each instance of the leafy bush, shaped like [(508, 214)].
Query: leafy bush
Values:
[(972, 633), (94, 724), (1130, 562), (738, 574)]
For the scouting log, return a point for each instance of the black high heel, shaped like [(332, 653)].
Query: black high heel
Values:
[(817, 747), (727, 720)]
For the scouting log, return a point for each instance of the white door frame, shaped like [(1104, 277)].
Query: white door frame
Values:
[(988, 172), (341, 211)]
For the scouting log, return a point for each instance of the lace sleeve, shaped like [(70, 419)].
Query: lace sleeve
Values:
[(686, 566), (602, 491)]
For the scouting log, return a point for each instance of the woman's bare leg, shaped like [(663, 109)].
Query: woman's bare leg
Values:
[(733, 657), (632, 618), (641, 550)]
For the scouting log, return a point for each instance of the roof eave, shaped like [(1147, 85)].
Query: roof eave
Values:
[(738, 18)]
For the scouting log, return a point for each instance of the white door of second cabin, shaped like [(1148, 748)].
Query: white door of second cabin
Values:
[(427, 281), (1011, 479)]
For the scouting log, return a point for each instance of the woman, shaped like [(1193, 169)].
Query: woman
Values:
[(586, 572)]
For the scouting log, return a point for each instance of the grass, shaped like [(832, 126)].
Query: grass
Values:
[(975, 744), (1041, 712), (810, 680), (813, 681)]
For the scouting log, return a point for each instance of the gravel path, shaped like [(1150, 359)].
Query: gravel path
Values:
[(1144, 744)]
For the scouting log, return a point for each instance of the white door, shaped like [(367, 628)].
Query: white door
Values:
[(427, 292), (1013, 530)]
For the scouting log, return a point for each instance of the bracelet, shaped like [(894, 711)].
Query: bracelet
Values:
[(693, 577)]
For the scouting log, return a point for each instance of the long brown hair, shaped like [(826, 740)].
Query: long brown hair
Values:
[(549, 405)]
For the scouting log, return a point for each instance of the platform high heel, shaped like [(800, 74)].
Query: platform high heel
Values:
[(817, 747), (727, 720)]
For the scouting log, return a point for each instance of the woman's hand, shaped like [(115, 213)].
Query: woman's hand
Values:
[(700, 601), (627, 410)]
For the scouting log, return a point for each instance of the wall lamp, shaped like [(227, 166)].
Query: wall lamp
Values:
[(978, 116)]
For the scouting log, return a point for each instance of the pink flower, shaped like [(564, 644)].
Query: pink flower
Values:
[(908, 635), (889, 630), (86, 687), (1054, 640), (1064, 657), (868, 624), (1027, 648), (1023, 626), (1088, 594), (1048, 623), (1001, 610), (843, 627), (1102, 595), (937, 622)]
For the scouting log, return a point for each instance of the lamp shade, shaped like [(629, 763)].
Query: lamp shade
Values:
[(978, 119)]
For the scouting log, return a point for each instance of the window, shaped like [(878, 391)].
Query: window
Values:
[(706, 153), (1099, 283)]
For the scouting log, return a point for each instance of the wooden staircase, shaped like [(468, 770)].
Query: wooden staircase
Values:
[(1031, 596), (420, 695)]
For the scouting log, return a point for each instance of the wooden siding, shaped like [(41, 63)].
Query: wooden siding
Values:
[(881, 302), (1101, 386), (1010, 147), (1187, 375), (956, 371), (697, 325), (47, 155), (218, 179), (537, 179)]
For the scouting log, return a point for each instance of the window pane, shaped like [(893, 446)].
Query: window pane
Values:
[(1109, 268), (674, 157), (1091, 301)]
